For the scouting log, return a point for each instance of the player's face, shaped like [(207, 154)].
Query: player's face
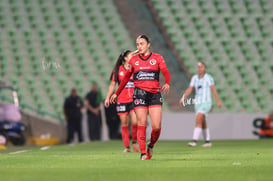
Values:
[(201, 69), (143, 46), (128, 57)]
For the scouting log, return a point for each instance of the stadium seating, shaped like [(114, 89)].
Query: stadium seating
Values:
[(234, 38), (49, 46)]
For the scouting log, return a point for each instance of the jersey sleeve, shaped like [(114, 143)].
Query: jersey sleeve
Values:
[(192, 81), (162, 64), (210, 80), (126, 78)]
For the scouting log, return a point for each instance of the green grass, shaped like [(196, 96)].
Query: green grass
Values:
[(172, 160)]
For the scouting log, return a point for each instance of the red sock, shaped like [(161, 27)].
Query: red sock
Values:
[(141, 137), (154, 137), (125, 136), (134, 133)]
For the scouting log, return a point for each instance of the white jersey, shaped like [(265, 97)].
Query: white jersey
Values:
[(202, 88)]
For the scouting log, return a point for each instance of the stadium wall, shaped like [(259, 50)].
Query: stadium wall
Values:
[(179, 126)]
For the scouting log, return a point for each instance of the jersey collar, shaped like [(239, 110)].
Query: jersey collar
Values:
[(145, 58)]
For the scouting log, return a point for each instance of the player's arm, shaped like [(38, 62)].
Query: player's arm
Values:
[(167, 76), (110, 92), (121, 86), (163, 68), (214, 92)]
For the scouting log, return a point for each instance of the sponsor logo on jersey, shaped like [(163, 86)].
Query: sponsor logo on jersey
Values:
[(144, 68), (130, 84), (153, 62), (121, 73), (146, 75), (137, 63)]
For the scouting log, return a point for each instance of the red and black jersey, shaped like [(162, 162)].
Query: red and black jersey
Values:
[(146, 71), (126, 95)]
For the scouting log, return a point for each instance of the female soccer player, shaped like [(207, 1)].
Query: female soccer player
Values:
[(146, 67), (125, 100), (203, 84)]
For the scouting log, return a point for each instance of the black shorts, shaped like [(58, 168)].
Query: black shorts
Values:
[(124, 108), (144, 99)]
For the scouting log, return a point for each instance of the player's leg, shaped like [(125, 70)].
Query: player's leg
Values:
[(198, 129), (141, 115), (206, 134), (156, 117), (125, 131), (134, 130)]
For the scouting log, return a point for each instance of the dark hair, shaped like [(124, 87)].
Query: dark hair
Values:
[(202, 63), (119, 62), (144, 37)]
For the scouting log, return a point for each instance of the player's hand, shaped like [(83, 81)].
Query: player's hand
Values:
[(113, 98), (181, 101), (219, 104), (166, 88), (106, 103)]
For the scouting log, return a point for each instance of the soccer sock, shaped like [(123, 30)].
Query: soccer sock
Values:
[(125, 136), (154, 137), (141, 137), (206, 134), (134, 133), (196, 133)]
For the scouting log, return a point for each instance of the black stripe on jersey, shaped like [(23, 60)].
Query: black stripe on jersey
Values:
[(146, 58), (146, 75)]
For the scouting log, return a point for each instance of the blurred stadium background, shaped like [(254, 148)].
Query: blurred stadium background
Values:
[(48, 46)]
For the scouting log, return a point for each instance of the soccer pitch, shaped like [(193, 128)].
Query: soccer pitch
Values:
[(172, 160)]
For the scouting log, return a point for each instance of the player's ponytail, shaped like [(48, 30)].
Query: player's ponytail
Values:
[(119, 62)]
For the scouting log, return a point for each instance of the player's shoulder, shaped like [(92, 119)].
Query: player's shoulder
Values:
[(133, 58), (156, 55), (208, 76)]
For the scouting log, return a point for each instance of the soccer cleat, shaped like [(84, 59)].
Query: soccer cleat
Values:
[(149, 153), (126, 150), (143, 157), (135, 147), (192, 144), (208, 144)]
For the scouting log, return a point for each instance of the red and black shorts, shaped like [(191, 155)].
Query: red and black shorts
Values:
[(144, 99), (124, 108)]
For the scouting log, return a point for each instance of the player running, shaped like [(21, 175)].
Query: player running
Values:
[(203, 84), (145, 68), (125, 100)]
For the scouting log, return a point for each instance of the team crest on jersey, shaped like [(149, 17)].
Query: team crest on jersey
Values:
[(121, 73), (137, 63), (153, 62)]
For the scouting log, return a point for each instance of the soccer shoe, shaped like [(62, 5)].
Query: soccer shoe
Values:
[(143, 157), (135, 147), (149, 153), (126, 150), (192, 144), (208, 144)]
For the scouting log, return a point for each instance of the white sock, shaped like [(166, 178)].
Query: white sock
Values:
[(206, 134), (196, 133)]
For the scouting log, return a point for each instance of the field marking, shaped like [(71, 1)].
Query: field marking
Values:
[(18, 152), (44, 148)]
